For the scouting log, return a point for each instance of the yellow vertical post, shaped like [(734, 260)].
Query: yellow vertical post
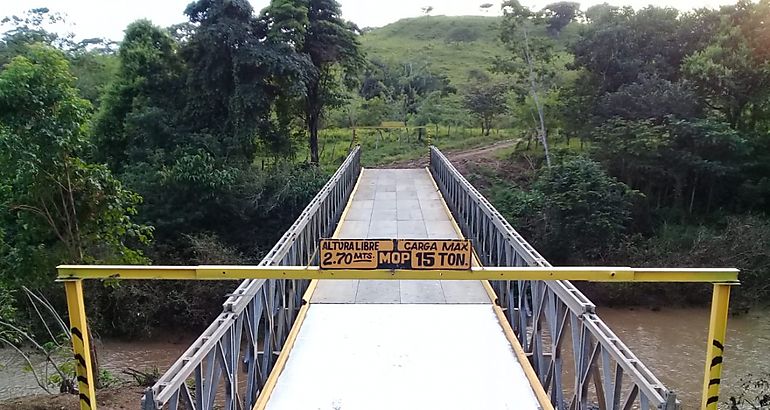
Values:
[(716, 345), (80, 344)]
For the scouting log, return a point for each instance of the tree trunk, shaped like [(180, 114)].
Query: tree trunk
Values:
[(352, 141), (94, 360), (312, 125), (536, 97), (679, 191), (692, 196), (313, 109)]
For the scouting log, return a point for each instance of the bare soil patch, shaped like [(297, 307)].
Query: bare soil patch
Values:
[(117, 398), (456, 157)]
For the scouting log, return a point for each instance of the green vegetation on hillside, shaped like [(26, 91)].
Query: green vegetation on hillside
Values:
[(452, 46), (668, 106), (456, 47)]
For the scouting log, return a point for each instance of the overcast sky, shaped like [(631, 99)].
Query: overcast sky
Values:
[(108, 18)]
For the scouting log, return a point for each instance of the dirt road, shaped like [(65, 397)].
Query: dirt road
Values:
[(454, 156)]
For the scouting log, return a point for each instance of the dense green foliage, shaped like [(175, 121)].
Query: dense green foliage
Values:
[(683, 142), (56, 207), (573, 208), (315, 29), (673, 106), (669, 108), (167, 165), (452, 46)]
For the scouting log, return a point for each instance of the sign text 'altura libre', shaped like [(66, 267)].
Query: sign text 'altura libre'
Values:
[(449, 254)]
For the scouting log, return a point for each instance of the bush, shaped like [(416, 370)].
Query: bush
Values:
[(573, 210), (462, 35)]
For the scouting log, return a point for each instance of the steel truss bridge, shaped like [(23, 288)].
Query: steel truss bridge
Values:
[(511, 332)]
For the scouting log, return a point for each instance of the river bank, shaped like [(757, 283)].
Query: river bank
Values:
[(113, 398)]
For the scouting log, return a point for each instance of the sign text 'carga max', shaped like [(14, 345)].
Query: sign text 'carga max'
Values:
[(448, 254)]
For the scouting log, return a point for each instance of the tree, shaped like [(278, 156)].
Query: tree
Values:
[(530, 61), (30, 28), (315, 29), (182, 126), (94, 70), (239, 75), (138, 116), (619, 46), (62, 209), (91, 60), (377, 80), (599, 12), (486, 101), (573, 210), (733, 77), (652, 98), (413, 84), (559, 14), (427, 10), (674, 161)]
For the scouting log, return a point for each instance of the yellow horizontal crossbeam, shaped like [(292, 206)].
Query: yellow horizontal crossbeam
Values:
[(204, 272)]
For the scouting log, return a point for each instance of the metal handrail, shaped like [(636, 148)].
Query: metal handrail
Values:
[(259, 311), (541, 311)]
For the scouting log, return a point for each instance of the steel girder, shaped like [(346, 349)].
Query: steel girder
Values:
[(595, 368)]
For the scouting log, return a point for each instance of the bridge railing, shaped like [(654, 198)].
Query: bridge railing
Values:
[(581, 363), (259, 313)]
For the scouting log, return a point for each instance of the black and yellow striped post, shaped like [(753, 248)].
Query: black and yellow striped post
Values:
[(716, 345), (80, 343)]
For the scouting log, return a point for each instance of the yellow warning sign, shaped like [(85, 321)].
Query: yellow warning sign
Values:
[(443, 254)]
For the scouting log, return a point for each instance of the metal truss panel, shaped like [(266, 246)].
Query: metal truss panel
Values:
[(259, 313), (541, 311)]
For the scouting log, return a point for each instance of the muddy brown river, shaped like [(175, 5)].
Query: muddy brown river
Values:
[(671, 342)]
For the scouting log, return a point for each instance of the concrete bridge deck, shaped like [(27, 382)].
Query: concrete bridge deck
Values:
[(400, 344), (398, 203)]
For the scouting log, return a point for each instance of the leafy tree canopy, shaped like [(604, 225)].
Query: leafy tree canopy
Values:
[(315, 29), (486, 101), (560, 14), (139, 109), (61, 208)]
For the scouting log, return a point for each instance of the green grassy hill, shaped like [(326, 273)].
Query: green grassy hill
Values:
[(450, 45)]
